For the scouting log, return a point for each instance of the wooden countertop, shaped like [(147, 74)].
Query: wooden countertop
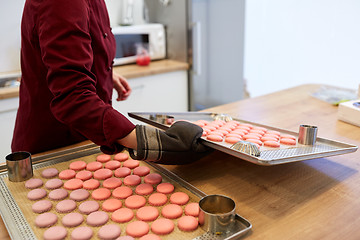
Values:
[(128, 71), (313, 199)]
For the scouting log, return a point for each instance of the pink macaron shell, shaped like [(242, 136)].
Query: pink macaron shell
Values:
[(102, 174), (157, 199), (232, 140), (88, 207), (153, 178), (144, 189), (179, 198), (103, 158), (36, 194), (287, 136), (122, 172), (217, 132), (141, 171), (109, 232), (122, 215), (132, 180), (46, 220), (165, 188), (82, 233), (55, 233), (58, 194), (252, 136), (79, 195), (171, 211), (42, 206), (73, 219), (54, 183), (135, 202), (268, 138), (93, 166), (273, 144), (91, 184), (131, 163), (192, 209), (77, 165), (49, 173), (65, 206), (137, 229), (33, 183), (256, 141), (121, 157), (112, 164), (214, 137), (147, 213), (111, 205), (187, 223), (288, 141), (272, 136), (162, 226), (101, 194), (84, 175), (67, 174), (73, 184), (112, 183), (122, 192), (98, 218)]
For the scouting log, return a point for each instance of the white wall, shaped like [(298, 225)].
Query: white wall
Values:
[(10, 19), (291, 42)]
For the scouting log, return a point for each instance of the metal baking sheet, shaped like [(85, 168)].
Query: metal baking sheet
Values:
[(268, 156), (19, 228)]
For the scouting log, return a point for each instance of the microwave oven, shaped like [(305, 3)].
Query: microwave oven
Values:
[(128, 38)]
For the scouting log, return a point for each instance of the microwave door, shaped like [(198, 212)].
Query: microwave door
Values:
[(126, 47)]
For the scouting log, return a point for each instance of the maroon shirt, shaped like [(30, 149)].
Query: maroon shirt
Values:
[(66, 87)]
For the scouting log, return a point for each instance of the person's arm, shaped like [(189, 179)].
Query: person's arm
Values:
[(129, 140), (66, 46)]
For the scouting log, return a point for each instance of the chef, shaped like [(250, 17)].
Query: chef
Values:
[(67, 50)]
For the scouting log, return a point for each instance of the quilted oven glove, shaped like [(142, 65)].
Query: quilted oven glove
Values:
[(177, 145)]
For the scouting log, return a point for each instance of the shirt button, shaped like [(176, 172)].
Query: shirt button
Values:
[(109, 69), (105, 35)]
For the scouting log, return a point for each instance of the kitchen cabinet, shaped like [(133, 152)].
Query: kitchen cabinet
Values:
[(8, 109), (166, 92)]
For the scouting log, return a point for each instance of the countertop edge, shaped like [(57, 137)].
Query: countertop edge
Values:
[(127, 71)]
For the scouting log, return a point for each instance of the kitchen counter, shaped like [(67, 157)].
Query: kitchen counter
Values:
[(128, 71), (313, 199)]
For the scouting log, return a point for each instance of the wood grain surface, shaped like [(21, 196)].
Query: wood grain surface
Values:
[(312, 199)]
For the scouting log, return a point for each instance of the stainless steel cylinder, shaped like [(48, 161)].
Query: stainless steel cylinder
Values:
[(19, 166), (307, 134), (217, 214)]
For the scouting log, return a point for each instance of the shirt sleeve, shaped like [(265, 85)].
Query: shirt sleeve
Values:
[(66, 49)]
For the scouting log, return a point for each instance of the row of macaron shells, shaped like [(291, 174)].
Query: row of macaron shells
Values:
[(113, 204), (234, 131)]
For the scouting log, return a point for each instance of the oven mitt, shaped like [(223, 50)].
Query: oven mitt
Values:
[(177, 145)]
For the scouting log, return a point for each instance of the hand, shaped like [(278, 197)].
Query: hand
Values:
[(178, 145), (122, 87)]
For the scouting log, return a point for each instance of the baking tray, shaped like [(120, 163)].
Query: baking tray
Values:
[(19, 228), (268, 156)]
